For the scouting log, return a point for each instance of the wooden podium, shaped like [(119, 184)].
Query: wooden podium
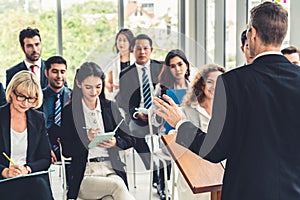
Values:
[(201, 175)]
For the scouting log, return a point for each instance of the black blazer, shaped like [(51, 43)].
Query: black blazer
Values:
[(75, 141), (38, 150), (21, 66), (260, 136), (2, 95), (129, 96)]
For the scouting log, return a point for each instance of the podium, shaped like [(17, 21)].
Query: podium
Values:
[(201, 175)]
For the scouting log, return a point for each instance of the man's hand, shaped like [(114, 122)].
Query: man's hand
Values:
[(142, 116), (53, 157), (168, 111)]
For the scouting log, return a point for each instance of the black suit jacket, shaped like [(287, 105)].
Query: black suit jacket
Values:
[(129, 96), (260, 134), (38, 150), (75, 141), (2, 95), (21, 66)]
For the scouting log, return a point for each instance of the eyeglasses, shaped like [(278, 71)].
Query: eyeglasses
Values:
[(23, 98)]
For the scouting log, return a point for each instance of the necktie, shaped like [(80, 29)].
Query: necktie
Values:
[(146, 89), (32, 69), (57, 111)]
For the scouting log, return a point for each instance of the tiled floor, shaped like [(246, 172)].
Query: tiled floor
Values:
[(142, 180)]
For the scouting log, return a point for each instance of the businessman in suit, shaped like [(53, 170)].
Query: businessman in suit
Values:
[(31, 44), (255, 119), (55, 96), (131, 95)]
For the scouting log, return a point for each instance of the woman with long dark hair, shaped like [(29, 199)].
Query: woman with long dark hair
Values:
[(96, 172)]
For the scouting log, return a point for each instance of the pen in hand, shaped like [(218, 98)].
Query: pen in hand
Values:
[(8, 158)]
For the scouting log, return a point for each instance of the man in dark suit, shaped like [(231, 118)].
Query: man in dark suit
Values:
[(55, 96), (255, 119), (30, 41), (131, 95)]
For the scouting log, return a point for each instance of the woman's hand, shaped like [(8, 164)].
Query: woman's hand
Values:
[(92, 133), (108, 143), (13, 171)]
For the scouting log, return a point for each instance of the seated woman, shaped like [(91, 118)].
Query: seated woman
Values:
[(197, 107), (24, 139), (174, 75), (97, 172)]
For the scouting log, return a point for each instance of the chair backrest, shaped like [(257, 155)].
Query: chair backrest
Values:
[(64, 161)]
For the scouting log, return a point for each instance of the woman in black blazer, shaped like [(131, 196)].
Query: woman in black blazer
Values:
[(95, 172), (24, 139)]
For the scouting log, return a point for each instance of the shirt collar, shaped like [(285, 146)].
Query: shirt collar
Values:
[(267, 53), (98, 106), (141, 66), (37, 63)]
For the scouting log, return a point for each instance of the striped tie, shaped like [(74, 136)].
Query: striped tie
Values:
[(146, 89), (57, 111)]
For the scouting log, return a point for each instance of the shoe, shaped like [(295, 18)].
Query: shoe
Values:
[(161, 193), (154, 184)]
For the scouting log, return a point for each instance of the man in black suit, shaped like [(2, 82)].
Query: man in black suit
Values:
[(255, 119), (55, 96), (131, 96), (30, 41)]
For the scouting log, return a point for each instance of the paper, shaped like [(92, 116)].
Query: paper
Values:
[(99, 138), (142, 110), (104, 136), (27, 175)]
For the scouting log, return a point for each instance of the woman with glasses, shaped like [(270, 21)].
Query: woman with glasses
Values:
[(24, 141)]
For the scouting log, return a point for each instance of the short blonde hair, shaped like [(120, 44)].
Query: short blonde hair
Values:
[(25, 81)]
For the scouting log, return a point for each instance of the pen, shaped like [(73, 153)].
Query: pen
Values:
[(8, 158), (86, 128)]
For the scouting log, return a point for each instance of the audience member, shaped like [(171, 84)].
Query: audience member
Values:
[(96, 172), (291, 53), (31, 44), (125, 58), (2, 95), (137, 84), (56, 96), (174, 75), (197, 107), (245, 48), (24, 139), (254, 121)]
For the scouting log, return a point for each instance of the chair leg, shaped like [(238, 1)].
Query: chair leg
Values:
[(133, 164)]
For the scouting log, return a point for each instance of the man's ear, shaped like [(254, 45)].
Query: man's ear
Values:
[(46, 73)]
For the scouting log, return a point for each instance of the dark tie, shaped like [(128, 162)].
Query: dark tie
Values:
[(57, 111), (32, 69), (146, 89)]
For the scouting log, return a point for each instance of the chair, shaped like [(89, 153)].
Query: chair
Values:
[(64, 161)]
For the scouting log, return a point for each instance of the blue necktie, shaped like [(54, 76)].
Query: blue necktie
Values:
[(146, 89), (57, 111)]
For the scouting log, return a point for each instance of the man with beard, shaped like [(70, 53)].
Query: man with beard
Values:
[(30, 41), (55, 96)]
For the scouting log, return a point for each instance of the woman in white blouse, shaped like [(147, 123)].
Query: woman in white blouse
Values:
[(197, 107)]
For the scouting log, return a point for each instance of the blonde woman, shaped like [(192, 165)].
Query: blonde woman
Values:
[(24, 139), (197, 107)]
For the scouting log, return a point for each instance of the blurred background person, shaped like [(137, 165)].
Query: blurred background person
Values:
[(245, 48), (125, 58), (291, 53)]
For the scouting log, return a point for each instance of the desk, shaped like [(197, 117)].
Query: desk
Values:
[(201, 175)]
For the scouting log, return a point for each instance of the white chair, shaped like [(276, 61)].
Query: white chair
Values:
[(64, 161)]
